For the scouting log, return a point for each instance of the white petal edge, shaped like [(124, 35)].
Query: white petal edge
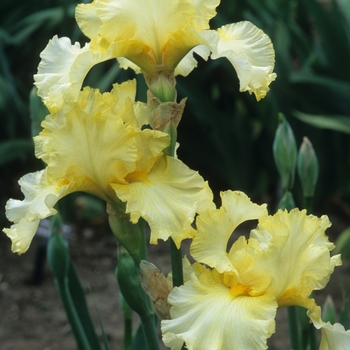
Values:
[(206, 316), (334, 337), (62, 70), (39, 201), (251, 53)]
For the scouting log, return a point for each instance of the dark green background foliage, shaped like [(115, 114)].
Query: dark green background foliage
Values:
[(224, 134)]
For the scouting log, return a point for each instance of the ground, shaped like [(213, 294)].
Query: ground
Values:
[(32, 317)]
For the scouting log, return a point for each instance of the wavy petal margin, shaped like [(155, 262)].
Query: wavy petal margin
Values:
[(39, 201), (168, 198), (207, 315), (296, 251), (251, 53), (214, 228), (62, 69)]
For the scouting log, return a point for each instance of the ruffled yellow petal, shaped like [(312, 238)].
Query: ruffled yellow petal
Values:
[(93, 147), (125, 64), (40, 196), (240, 208), (244, 265), (167, 197), (251, 53), (150, 35), (126, 93), (179, 45), (210, 240), (89, 145), (188, 63), (62, 70), (207, 314), (88, 19), (139, 31), (293, 247), (150, 145), (204, 11), (214, 228)]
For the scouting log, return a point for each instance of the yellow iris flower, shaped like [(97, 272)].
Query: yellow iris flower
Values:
[(97, 145), (230, 302), (155, 37)]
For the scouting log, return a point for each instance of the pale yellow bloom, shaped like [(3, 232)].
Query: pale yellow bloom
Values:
[(97, 145), (231, 303), (155, 37)]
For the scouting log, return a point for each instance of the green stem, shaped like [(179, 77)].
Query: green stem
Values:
[(309, 332), (312, 337), (73, 317), (143, 248), (304, 338), (149, 330), (172, 131), (293, 328), (127, 333), (176, 264), (77, 296)]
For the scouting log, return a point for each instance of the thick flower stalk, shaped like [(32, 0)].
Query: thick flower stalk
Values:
[(98, 145), (157, 38), (230, 302)]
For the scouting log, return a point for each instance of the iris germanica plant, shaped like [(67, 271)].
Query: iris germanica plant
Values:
[(97, 145), (123, 151)]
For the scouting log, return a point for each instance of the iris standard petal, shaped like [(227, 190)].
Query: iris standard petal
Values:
[(204, 12), (188, 63), (207, 314), (296, 252), (251, 53), (138, 31), (167, 198), (40, 196), (62, 69), (214, 228)]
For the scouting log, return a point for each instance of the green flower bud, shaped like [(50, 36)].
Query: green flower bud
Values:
[(285, 153), (128, 277), (307, 168), (162, 86), (286, 202), (328, 311)]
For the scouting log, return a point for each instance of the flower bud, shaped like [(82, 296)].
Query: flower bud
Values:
[(285, 153), (307, 168), (328, 311), (162, 85), (287, 201), (129, 283)]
